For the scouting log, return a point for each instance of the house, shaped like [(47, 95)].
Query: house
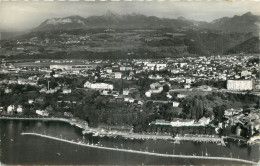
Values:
[(169, 96), (187, 86), (68, 114), (246, 73), (118, 75), (188, 81), (98, 86), (161, 66), (150, 66), (10, 109), (182, 122), (175, 104), (109, 70), (66, 90), (7, 90), (161, 122), (180, 96), (105, 92), (204, 121), (140, 102), (30, 101), (19, 109), (125, 92), (1, 109), (131, 100), (42, 112), (156, 86)]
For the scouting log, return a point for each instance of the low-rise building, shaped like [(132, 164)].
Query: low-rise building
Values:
[(98, 86), (239, 85), (175, 104), (42, 112), (118, 75), (182, 122), (10, 109), (19, 109)]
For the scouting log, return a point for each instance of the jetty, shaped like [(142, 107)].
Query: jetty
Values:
[(142, 152), (202, 139)]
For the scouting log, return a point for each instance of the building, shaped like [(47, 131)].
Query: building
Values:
[(246, 73), (180, 96), (98, 86), (239, 85), (42, 112), (175, 122), (66, 91), (161, 122), (7, 90), (19, 109), (175, 104), (118, 75), (62, 67), (161, 66), (204, 121), (125, 92), (10, 109), (182, 122), (109, 70)]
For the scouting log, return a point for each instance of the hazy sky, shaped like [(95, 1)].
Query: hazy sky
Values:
[(25, 15)]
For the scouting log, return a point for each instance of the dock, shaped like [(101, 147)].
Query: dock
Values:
[(201, 139)]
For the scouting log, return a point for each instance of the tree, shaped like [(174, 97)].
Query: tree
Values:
[(166, 88)]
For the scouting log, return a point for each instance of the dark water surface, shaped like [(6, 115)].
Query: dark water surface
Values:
[(18, 149)]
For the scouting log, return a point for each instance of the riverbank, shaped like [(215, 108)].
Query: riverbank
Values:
[(142, 152)]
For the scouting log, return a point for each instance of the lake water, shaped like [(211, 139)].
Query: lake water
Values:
[(24, 149)]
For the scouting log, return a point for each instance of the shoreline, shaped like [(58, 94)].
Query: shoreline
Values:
[(142, 152), (100, 132), (97, 131)]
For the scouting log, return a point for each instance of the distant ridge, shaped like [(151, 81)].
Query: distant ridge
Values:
[(244, 23)]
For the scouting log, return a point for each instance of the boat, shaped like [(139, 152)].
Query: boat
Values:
[(58, 154)]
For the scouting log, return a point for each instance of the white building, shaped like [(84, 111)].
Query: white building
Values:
[(10, 109), (182, 122), (204, 121), (246, 73), (109, 70), (180, 96), (175, 104), (66, 91), (7, 90), (239, 85), (99, 86), (62, 67), (118, 75), (188, 81), (19, 109), (161, 66), (42, 112), (125, 92)]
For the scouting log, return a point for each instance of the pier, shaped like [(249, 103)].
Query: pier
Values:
[(142, 152), (202, 139)]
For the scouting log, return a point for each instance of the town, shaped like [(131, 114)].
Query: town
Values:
[(214, 95)]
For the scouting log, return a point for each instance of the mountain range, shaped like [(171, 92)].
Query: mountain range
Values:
[(244, 23)]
